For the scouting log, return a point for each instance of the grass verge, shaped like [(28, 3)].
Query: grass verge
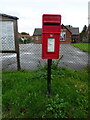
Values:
[(82, 46), (23, 94)]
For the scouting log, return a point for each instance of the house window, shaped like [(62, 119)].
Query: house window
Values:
[(37, 38), (63, 36)]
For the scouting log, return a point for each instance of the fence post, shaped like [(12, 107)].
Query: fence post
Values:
[(17, 48)]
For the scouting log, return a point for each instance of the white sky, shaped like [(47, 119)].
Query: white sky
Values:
[(29, 12)]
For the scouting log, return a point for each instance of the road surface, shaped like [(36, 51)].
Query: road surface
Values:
[(31, 57)]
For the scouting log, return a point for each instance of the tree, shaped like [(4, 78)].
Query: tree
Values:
[(24, 33), (83, 34), (89, 33)]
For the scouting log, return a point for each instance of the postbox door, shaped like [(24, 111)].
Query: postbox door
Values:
[(50, 46)]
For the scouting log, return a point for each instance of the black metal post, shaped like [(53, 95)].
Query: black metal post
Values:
[(49, 76)]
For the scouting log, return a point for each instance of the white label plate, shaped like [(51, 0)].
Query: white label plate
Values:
[(51, 44)]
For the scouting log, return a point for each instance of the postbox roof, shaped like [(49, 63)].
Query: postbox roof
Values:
[(51, 18), (51, 15)]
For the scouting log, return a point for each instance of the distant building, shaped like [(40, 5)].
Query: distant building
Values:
[(75, 33), (37, 35), (65, 36), (25, 38), (68, 34)]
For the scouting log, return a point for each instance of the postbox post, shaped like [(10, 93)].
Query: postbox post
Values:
[(49, 76)]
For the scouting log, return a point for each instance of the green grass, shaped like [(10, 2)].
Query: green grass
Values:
[(82, 46), (24, 94)]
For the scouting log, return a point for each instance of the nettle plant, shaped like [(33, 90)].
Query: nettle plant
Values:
[(57, 107), (55, 64)]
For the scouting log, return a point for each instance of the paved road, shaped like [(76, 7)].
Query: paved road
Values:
[(73, 57), (30, 57)]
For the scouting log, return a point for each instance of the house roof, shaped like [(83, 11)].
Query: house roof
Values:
[(65, 28), (28, 36), (37, 31), (9, 16), (74, 30)]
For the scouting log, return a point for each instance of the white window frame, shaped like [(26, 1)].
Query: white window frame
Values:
[(36, 38), (63, 36)]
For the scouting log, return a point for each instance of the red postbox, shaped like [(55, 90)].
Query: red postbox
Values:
[(51, 27)]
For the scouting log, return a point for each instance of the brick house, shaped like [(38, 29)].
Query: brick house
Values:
[(37, 35), (67, 35), (75, 33), (25, 38)]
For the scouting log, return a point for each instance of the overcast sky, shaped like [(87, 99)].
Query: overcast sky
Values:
[(29, 12)]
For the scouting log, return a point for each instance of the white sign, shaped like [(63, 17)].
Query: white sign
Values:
[(51, 44), (7, 35)]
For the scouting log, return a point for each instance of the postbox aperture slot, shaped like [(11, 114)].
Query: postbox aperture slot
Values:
[(52, 24), (51, 45)]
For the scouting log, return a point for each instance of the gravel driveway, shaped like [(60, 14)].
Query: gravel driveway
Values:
[(30, 57)]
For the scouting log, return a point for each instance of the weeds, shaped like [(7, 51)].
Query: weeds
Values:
[(23, 94)]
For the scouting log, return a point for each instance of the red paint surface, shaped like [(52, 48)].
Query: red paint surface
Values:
[(51, 24)]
